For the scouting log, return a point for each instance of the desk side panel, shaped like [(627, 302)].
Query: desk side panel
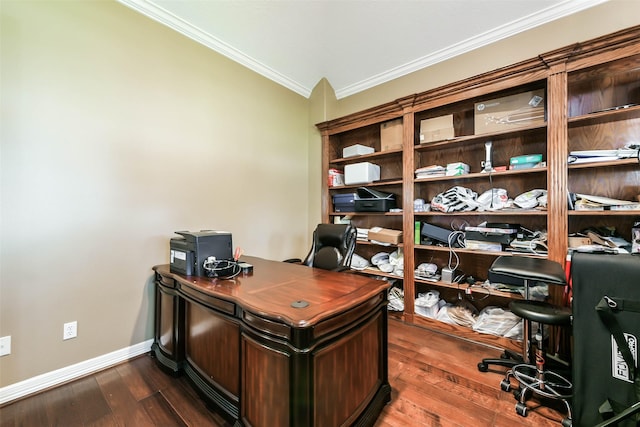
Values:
[(265, 389), (348, 373), (168, 345), (213, 348)]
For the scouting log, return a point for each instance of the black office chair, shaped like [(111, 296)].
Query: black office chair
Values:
[(530, 370), (332, 248)]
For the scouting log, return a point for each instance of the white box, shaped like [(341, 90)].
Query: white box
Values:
[(361, 173), (356, 150)]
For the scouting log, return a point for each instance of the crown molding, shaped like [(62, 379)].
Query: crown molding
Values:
[(165, 17), (547, 15), (161, 15)]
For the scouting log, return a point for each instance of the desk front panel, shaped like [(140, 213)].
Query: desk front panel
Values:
[(265, 363)]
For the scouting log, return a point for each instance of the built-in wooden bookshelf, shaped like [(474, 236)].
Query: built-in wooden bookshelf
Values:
[(591, 100)]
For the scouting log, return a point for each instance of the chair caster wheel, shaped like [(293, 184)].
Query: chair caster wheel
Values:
[(566, 422), (521, 409), (517, 394), (483, 367), (505, 385)]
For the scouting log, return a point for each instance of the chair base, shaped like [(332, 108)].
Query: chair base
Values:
[(507, 359), (547, 384)]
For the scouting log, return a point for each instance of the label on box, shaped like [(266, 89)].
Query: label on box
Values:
[(528, 158), (509, 112)]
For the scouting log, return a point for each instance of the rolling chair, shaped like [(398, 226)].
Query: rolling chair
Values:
[(332, 248), (529, 369)]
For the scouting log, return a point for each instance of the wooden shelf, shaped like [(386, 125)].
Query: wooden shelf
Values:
[(374, 271), (467, 333), (473, 139), (502, 212), (605, 213), (607, 164), (367, 242), (366, 157), (598, 117), (474, 289), (365, 213), (371, 184), (482, 175), (475, 251), (601, 73)]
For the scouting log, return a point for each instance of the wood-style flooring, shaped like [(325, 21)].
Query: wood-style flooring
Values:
[(434, 379)]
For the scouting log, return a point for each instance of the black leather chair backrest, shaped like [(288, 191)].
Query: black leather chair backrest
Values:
[(333, 246)]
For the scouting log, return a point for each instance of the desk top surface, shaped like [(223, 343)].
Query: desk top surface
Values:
[(273, 286)]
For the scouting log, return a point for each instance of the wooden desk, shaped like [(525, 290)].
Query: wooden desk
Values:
[(265, 363)]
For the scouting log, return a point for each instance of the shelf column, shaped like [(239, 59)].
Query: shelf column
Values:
[(557, 150), (408, 168), (325, 201)]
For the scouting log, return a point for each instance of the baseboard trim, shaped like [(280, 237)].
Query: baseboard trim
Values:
[(62, 375)]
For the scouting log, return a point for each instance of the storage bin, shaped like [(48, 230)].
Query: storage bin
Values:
[(361, 173)]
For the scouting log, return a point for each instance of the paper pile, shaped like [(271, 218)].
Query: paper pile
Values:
[(630, 150), (588, 202)]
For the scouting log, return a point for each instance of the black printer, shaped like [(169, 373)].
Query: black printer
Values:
[(189, 252)]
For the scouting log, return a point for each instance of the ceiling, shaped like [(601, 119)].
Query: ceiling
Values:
[(354, 44)]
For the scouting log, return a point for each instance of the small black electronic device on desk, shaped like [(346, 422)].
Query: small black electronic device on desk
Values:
[(189, 253)]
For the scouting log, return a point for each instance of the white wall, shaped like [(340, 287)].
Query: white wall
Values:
[(116, 132)]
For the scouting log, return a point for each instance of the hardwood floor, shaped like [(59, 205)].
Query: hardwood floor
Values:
[(434, 380)]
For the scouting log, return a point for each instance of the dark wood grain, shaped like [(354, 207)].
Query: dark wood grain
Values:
[(433, 376)]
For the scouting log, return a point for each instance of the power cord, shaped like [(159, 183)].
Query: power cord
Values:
[(458, 236), (222, 269)]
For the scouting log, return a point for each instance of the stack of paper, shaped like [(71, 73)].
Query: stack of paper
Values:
[(430, 171), (588, 156), (362, 233), (586, 202)]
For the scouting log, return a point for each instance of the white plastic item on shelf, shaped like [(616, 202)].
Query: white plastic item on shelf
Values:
[(428, 304), (361, 173), (356, 150)]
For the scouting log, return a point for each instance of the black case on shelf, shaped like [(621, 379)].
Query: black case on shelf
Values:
[(374, 201), (599, 369), (344, 202)]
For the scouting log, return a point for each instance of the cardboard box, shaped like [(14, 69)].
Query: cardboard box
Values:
[(361, 173), (356, 150), (385, 235), (391, 135), (509, 112), (335, 178), (436, 129)]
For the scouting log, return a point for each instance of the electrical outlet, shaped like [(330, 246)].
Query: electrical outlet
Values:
[(5, 345), (70, 330)]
